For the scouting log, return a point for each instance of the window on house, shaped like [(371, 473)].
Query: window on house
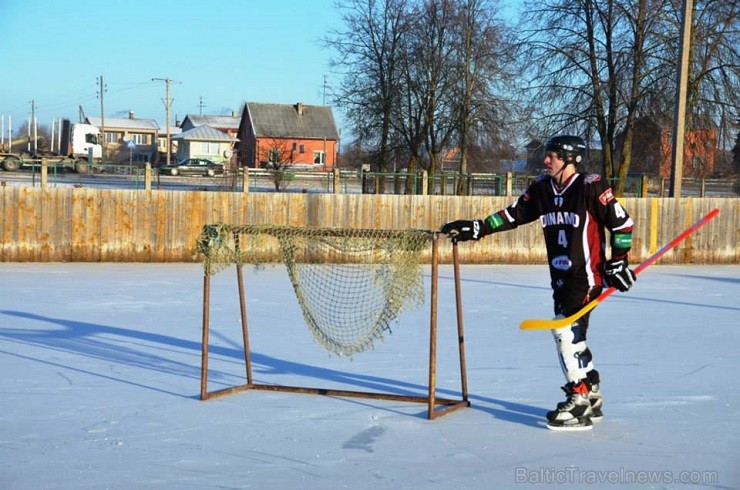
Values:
[(698, 163), (113, 137), (140, 138), (210, 148), (274, 155), (318, 157), (302, 149), (295, 146)]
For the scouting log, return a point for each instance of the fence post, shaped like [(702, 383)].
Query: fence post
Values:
[(245, 179), (44, 172), (148, 176), (424, 182), (509, 184), (337, 181), (645, 184), (703, 187)]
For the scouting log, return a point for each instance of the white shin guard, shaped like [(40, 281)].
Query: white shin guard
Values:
[(575, 357)]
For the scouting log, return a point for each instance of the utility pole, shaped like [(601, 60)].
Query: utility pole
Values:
[(200, 104), (102, 119), (167, 105), (679, 122), (31, 128)]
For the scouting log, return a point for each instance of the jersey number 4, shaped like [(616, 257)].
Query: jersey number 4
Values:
[(562, 239)]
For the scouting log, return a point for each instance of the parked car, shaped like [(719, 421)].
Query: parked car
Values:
[(193, 166)]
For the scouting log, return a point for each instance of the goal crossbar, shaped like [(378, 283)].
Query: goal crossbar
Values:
[(436, 406)]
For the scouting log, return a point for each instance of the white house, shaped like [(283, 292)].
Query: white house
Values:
[(204, 141)]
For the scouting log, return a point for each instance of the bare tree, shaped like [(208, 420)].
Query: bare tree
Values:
[(600, 65), (483, 66), (435, 57), (454, 58), (279, 156), (424, 117), (714, 74), (423, 76), (417, 74), (589, 63), (635, 14), (368, 60), (736, 155)]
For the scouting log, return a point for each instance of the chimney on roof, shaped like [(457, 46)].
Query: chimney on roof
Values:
[(299, 108), (131, 115)]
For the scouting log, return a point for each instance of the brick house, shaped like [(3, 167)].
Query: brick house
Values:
[(699, 152), (287, 134), (652, 150)]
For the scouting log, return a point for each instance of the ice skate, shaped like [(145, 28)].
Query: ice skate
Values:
[(595, 398), (575, 412)]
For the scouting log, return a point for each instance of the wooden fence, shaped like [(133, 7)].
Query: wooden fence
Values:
[(109, 225)]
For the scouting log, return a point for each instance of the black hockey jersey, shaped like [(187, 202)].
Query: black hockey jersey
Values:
[(574, 220)]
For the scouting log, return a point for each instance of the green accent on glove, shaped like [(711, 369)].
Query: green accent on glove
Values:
[(494, 221)]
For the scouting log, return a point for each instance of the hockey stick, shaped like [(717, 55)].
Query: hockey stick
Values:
[(553, 323)]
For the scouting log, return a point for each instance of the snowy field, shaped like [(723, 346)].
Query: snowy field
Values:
[(101, 376)]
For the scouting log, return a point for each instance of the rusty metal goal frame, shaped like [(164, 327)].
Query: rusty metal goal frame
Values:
[(436, 406)]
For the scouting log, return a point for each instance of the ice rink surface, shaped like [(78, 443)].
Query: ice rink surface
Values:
[(101, 380)]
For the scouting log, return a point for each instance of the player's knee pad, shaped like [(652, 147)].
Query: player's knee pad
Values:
[(575, 357)]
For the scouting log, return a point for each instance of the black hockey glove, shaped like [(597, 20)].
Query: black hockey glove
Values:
[(463, 230), (619, 274)]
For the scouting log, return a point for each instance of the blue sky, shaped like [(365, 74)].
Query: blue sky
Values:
[(226, 51)]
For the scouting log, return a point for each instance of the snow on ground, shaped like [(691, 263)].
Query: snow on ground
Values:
[(101, 376)]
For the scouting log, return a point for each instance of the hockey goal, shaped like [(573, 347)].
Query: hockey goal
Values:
[(351, 284)]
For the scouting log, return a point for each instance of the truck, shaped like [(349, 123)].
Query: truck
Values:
[(80, 148)]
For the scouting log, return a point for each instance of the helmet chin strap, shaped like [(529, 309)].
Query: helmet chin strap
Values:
[(558, 175)]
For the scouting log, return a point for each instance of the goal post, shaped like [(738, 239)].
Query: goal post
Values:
[(334, 273)]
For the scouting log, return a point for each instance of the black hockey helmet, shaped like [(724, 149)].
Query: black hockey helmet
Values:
[(567, 146)]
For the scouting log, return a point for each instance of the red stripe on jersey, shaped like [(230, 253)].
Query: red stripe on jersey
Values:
[(594, 254)]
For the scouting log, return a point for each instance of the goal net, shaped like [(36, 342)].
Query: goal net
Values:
[(351, 284)]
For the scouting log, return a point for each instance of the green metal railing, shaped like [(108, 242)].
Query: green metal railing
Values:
[(351, 181)]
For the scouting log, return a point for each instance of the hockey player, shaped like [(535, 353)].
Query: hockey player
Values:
[(574, 210)]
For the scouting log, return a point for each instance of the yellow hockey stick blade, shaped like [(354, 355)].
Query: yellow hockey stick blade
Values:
[(553, 323)]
